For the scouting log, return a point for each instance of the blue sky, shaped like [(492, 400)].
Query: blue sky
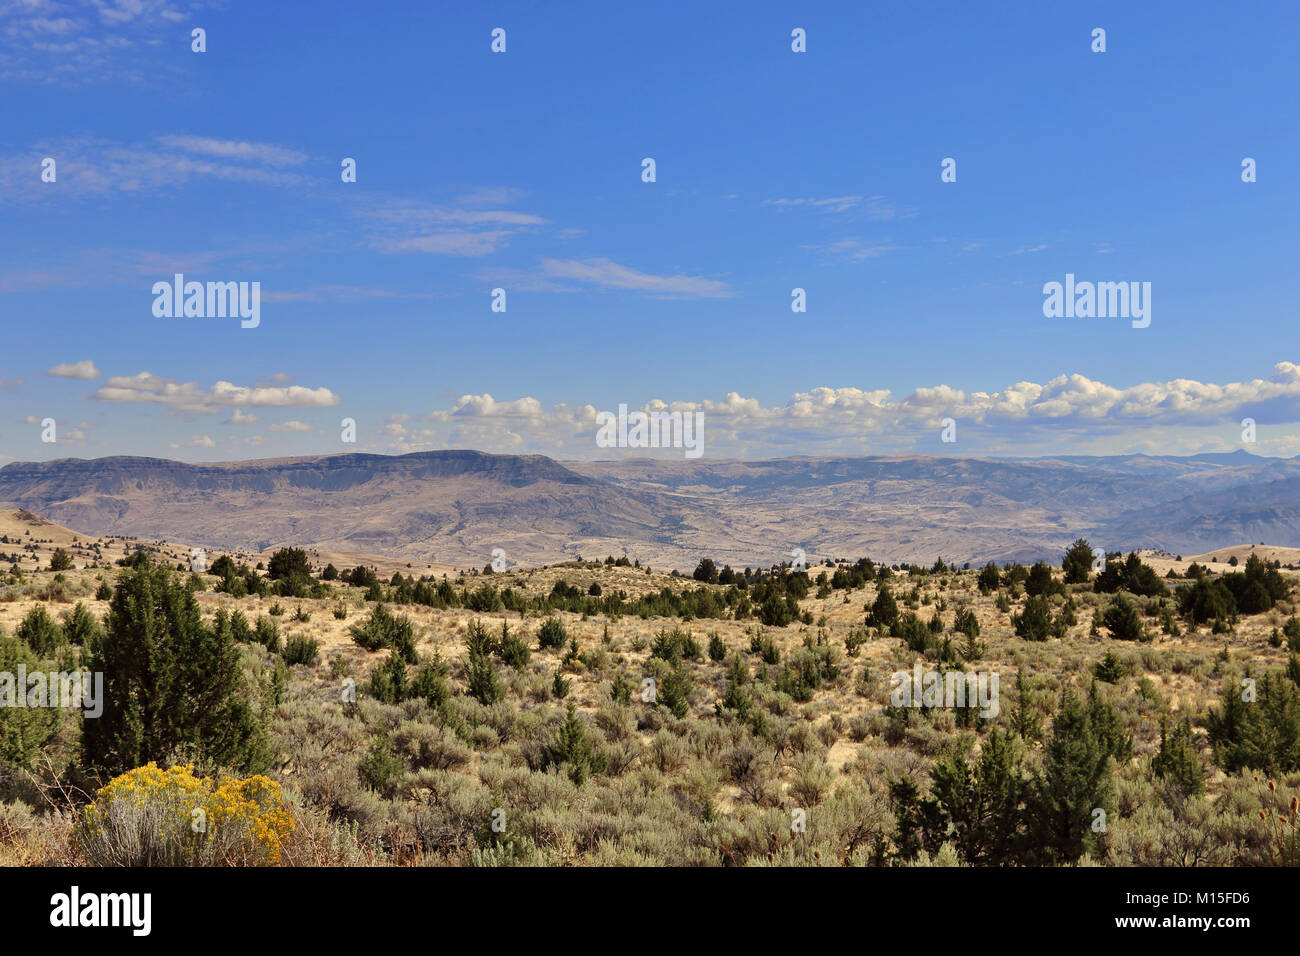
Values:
[(522, 170)]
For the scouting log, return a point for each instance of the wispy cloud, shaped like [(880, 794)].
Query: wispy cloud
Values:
[(407, 226), (90, 167), (72, 42), (258, 154), (854, 250), (830, 204), (607, 274), (337, 293), (876, 208)]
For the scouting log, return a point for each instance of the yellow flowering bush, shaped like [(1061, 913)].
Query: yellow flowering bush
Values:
[(154, 817)]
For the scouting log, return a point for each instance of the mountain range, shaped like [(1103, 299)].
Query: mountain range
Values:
[(456, 507)]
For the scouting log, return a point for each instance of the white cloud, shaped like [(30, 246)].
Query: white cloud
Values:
[(1070, 414), (70, 42), (267, 154), (610, 275), (408, 226), (240, 417), (88, 167), (84, 369), (831, 204), (291, 427), (149, 389), (854, 250)]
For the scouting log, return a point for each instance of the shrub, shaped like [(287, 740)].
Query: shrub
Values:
[(1132, 576), (1075, 780), (674, 692), (778, 611), (572, 747), (552, 634), (1176, 761), (1110, 669), (388, 680), (1263, 733), (480, 672), (80, 626), (915, 634), (39, 632), (1122, 620), (1040, 580), (240, 631), (60, 560), (884, 610), (1034, 623), (965, 622), (513, 649), (989, 578), (385, 629), (430, 684), (287, 562), (380, 768), (675, 645), (706, 571), (1077, 563), (267, 633), (153, 817), (1206, 600), (23, 730), (301, 649)]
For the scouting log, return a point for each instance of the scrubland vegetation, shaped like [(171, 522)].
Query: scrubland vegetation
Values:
[(601, 713)]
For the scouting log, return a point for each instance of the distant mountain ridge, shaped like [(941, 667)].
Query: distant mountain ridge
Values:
[(457, 506)]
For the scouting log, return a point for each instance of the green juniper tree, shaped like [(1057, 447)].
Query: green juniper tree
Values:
[(170, 682)]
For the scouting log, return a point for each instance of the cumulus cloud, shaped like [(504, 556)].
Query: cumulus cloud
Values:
[(1070, 414), (84, 369), (290, 427), (146, 388)]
